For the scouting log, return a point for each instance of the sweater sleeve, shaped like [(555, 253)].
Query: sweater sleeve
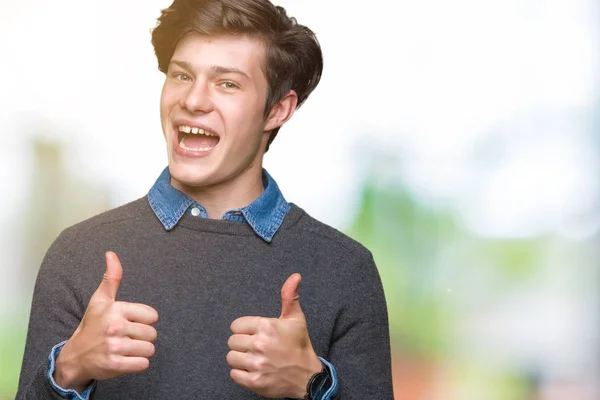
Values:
[(360, 345), (56, 310)]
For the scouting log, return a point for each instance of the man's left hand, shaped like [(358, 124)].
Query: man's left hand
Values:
[(274, 357)]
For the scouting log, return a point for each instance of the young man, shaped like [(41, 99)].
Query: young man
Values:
[(211, 260)]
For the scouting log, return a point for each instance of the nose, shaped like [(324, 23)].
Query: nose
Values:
[(197, 99)]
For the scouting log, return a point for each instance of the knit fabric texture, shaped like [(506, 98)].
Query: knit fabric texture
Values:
[(200, 277)]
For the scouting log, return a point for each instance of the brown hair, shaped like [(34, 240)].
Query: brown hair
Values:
[(293, 60)]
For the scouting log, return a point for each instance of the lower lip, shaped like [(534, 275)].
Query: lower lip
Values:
[(189, 153)]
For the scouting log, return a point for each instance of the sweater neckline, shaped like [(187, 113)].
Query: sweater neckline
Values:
[(235, 228)]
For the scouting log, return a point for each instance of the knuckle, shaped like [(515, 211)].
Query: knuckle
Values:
[(257, 381), (117, 307), (113, 346), (113, 363), (259, 345), (259, 364), (114, 328), (265, 324)]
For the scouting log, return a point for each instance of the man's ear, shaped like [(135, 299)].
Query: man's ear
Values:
[(282, 111)]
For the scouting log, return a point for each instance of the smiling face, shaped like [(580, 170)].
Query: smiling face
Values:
[(212, 113)]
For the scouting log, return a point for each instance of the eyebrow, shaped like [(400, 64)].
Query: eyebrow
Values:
[(216, 68), (230, 70)]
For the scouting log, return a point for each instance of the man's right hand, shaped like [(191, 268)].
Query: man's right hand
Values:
[(114, 337)]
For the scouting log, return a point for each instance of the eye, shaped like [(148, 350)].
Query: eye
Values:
[(229, 85), (181, 77)]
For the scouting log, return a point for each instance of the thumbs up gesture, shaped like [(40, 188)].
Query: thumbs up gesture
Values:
[(114, 337), (274, 357)]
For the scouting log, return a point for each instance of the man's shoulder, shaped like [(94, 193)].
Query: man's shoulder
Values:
[(113, 218), (309, 227), (72, 249)]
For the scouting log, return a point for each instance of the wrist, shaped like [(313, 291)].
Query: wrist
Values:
[(67, 374), (313, 366)]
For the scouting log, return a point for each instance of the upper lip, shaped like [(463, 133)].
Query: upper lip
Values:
[(178, 122)]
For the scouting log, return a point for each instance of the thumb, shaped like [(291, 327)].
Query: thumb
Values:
[(112, 277), (290, 300)]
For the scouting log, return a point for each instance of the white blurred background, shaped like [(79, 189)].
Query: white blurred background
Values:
[(483, 113)]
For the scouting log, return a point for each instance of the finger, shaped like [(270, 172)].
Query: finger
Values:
[(112, 277), (239, 360), (138, 331), (245, 325), (290, 300), (138, 348), (137, 312), (241, 377), (241, 343), (128, 364)]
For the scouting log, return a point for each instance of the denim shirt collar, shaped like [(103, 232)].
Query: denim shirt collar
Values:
[(265, 214)]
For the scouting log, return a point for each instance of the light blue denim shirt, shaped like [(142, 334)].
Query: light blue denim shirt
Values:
[(265, 215)]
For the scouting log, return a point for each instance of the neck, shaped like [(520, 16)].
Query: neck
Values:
[(224, 196)]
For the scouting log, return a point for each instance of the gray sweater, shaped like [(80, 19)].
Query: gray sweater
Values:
[(200, 277)]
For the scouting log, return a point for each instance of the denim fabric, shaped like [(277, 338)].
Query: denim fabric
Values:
[(264, 215), (65, 393), (331, 393)]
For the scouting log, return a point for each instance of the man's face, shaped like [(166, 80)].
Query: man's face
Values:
[(212, 111)]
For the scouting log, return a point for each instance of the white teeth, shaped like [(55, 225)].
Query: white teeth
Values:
[(194, 130), (183, 146)]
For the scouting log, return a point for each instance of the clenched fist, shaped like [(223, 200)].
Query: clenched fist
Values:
[(114, 337), (274, 357)]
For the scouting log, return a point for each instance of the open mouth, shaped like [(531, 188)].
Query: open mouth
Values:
[(192, 138)]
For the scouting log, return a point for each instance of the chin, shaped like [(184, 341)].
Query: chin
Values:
[(189, 175)]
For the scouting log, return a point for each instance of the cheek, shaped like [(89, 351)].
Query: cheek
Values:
[(246, 117), (168, 99), (164, 120), (167, 104), (163, 111), (164, 107)]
